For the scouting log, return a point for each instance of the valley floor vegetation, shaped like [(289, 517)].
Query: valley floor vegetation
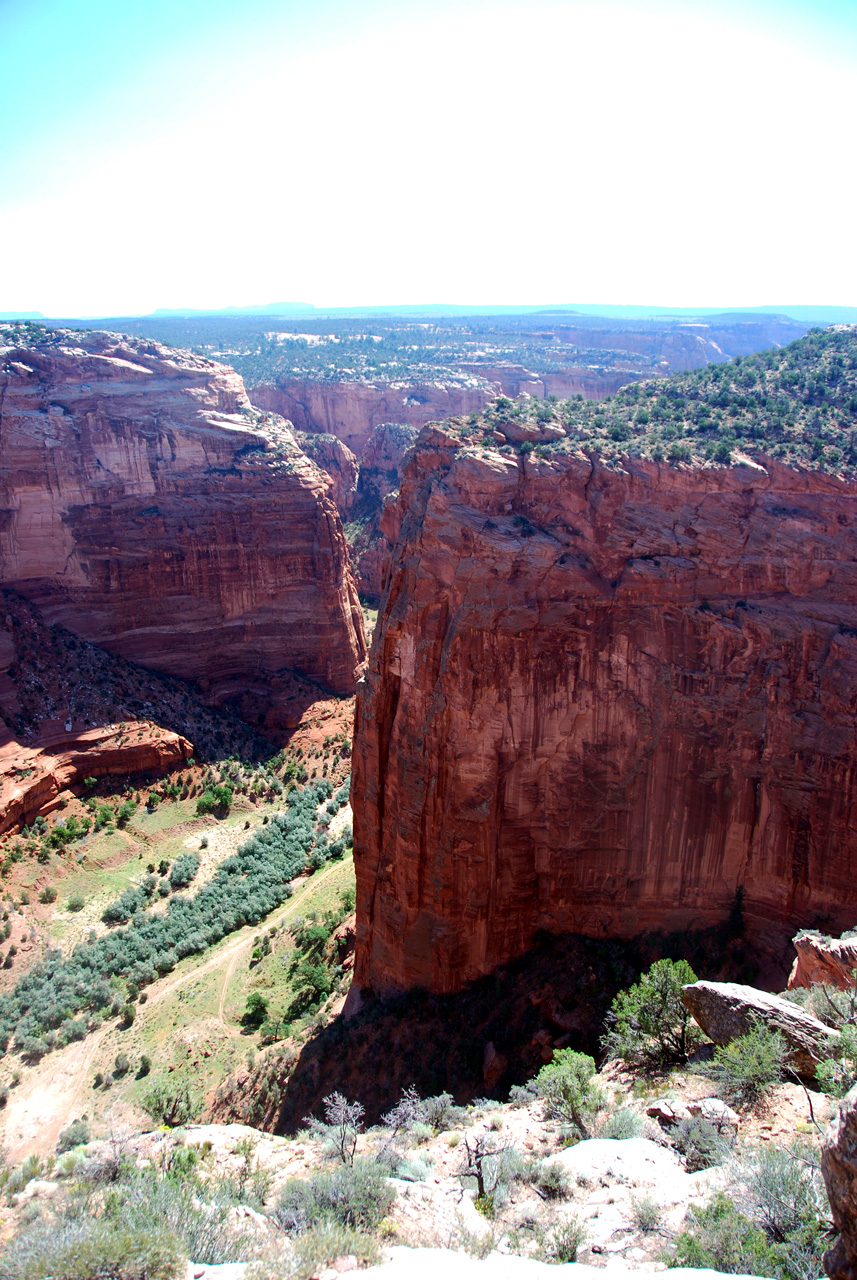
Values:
[(61, 998)]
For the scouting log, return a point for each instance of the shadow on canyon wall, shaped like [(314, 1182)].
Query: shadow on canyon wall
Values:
[(499, 1030)]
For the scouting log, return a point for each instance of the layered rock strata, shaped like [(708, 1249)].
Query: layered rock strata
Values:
[(600, 700), (32, 777), (351, 410), (147, 507)]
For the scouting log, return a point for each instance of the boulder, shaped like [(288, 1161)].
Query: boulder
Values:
[(715, 1112), (726, 1010), (820, 959), (668, 1114), (839, 1170)]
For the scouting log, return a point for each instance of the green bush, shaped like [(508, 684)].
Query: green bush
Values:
[(74, 1135), (717, 1236), (92, 1249), (48, 895), (749, 1065), (568, 1089), (183, 870), (172, 1102), (623, 1123), (650, 1025), (564, 1241), (75, 903), (256, 1011), (837, 1075), (355, 1196), (216, 800)]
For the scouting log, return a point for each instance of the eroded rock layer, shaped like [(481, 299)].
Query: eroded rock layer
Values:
[(147, 507), (600, 700)]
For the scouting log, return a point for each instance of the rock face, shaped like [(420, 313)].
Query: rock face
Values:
[(381, 466), (32, 777), (727, 1010), (351, 410), (599, 700), (145, 506), (839, 1169), (337, 461), (821, 959)]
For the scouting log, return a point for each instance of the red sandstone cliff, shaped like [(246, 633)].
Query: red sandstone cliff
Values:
[(599, 700), (146, 506), (351, 410)]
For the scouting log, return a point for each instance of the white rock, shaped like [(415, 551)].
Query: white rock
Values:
[(428, 1264), (714, 1111)]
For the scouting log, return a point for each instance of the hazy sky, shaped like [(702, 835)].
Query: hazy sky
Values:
[(209, 152)]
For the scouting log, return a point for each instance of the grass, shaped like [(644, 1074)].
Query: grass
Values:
[(183, 1030)]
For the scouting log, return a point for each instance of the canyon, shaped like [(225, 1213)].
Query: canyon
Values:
[(603, 697), (148, 508)]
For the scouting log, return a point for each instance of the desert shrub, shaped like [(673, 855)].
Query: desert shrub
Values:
[(183, 870), (145, 1066), (569, 1091), (197, 1214), (551, 1178), (623, 1123), (315, 1251), (355, 1196), (93, 1249), (75, 903), (492, 1166), (172, 1102), (343, 1121), (646, 1213), (48, 895), (649, 1023), (749, 1065), (784, 1189), (716, 1235), (121, 1065), (565, 1240), (440, 1110), (838, 1074), (701, 1144), (74, 1135)]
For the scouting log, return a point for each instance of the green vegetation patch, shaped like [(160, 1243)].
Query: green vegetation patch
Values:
[(43, 1010), (797, 403)]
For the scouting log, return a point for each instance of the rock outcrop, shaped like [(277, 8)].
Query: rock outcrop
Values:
[(600, 699), (351, 410), (820, 959), (337, 461), (32, 777), (727, 1010), (147, 507), (839, 1170)]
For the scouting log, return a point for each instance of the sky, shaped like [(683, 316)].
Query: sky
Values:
[(206, 153)]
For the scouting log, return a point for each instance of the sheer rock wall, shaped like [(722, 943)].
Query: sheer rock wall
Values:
[(600, 700)]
